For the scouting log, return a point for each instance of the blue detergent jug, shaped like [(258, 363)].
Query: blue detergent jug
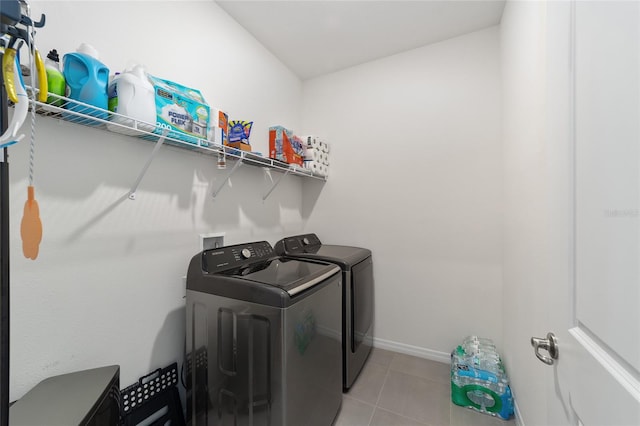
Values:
[(87, 79)]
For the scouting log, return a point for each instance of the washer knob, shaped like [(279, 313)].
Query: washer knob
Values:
[(246, 253), (305, 241)]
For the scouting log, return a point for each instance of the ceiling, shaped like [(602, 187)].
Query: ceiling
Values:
[(318, 37)]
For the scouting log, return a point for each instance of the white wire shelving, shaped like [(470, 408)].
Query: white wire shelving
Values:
[(83, 114)]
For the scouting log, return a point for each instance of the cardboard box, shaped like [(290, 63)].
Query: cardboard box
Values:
[(240, 145), (181, 110), (284, 146), (239, 132)]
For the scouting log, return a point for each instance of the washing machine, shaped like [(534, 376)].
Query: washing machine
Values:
[(263, 338), (356, 265)]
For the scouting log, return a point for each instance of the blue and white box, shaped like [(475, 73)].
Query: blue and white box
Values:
[(180, 110)]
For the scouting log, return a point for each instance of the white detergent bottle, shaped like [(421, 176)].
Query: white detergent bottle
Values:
[(132, 98)]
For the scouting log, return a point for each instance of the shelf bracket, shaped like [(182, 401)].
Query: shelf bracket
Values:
[(132, 193), (276, 183), (233, 169)]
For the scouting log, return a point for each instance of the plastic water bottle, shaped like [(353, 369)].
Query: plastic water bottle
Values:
[(480, 353), (55, 79), (131, 96), (87, 80), (475, 344)]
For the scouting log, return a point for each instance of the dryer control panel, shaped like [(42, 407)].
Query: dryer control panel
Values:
[(223, 258), (298, 244)]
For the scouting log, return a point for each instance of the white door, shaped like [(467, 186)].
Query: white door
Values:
[(594, 145)]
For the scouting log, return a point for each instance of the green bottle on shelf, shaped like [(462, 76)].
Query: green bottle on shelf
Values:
[(55, 78)]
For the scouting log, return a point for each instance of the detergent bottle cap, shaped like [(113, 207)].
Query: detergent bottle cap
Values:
[(138, 71), (53, 55), (89, 50)]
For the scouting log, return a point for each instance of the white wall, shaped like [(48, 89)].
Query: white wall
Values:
[(526, 201), (416, 177), (106, 287)]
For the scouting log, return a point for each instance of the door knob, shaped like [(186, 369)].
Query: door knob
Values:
[(550, 344)]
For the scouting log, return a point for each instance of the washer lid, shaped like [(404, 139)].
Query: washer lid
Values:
[(291, 275), (340, 252), (254, 273)]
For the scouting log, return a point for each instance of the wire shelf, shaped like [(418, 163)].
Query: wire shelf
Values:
[(90, 116)]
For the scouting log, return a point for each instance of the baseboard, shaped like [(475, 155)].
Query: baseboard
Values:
[(516, 409), (418, 351)]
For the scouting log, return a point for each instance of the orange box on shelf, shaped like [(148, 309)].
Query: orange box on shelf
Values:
[(284, 146)]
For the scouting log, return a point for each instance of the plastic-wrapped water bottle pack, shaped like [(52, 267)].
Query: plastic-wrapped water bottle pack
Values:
[(478, 378)]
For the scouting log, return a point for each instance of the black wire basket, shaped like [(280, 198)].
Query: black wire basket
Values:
[(154, 399)]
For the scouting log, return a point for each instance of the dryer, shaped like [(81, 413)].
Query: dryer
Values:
[(356, 264), (263, 338)]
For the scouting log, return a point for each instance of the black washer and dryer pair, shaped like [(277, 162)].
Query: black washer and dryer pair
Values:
[(356, 265)]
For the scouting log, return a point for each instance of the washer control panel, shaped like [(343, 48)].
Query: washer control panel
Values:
[(222, 258), (298, 244)]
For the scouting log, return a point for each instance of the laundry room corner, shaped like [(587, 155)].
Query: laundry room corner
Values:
[(417, 145)]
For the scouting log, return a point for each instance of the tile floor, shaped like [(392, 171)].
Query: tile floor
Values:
[(394, 389)]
